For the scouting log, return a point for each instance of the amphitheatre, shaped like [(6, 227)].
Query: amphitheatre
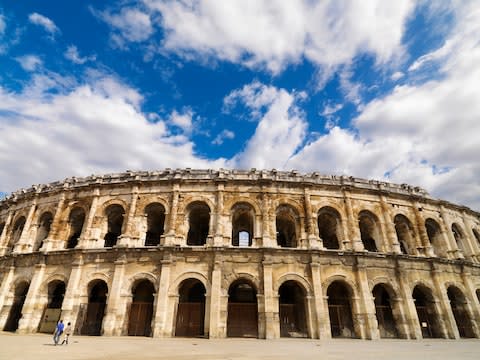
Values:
[(238, 253)]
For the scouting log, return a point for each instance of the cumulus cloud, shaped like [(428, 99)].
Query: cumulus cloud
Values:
[(224, 134), (3, 24), (73, 55), (43, 21), (29, 62), (95, 127)]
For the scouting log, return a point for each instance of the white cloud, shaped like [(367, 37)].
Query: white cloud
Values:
[(281, 128), (182, 120), (93, 128), (73, 55), (397, 75), (225, 134), (45, 22), (29, 62), (273, 34), (3, 24)]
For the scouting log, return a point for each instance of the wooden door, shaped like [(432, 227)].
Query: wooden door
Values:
[(242, 320), (386, 322), (14, 316), (140, 319), (49, 320), (341, 323), (93, 319), (190, 319), (424, 320), (463, 322)]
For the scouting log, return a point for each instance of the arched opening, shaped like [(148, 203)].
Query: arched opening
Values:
[(458, 303), (155, 223), (20, 294), (97, 300), (292, 304), (459, 238), (405, 234), (43, 230), (340, 310), (383, 310), (198, 224), (286, 224), (478, 295), (242, 224), (434, 236), (2, 227), (329, 227), (426, 312), (75, 222), (369, 230), (474, 231), (53, 310), (141, 309), (17, 231), (191, 309), (115, 214), (242, 319)]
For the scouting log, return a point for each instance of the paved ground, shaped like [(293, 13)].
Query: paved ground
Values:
[(40, 347)]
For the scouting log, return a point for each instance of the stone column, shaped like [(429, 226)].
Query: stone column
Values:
[(216, 328), (409, 309), (272, 324), (23, 244), (452, 248), (4, 236), (423, 247), (448, 326), (172, 219), (5, 288), (391, 234), (322, 326), (471, 297), (314, 241), (31, 313), (52, 242), (218, 239), (160, 326), (130, 236), (268, 240), (470, 242), (70, 305), (114, 314), (352, 222), (89, 236), (367, 304)]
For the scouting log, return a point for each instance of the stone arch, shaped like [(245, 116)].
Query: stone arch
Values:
[(329, 223), (141, 307), (385, 310), (114, 214), (133, 280), (17, 230), (43, 230), (287, 225), (175, 285), (193, 199), (190, 315), (370, 230), (342, 278), (475, 232), (459, 236), (242, 314), (427, 313), (304, 283), (459, 307), (76, 221), (155, 214), (434, 234), (243, 224), (340, 309), (97, 290), (405, 234), (243, 199), (19, 289), (198, 216), (229, 279), (292, 307)]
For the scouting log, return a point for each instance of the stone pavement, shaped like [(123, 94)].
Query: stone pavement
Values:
[(40, 347)]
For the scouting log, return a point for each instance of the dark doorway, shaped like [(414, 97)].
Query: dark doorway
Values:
[(191, 309), (97, 300), (155, 223), (427, 315), (286, 226), (340, 311), (242, 318), (43, 230), (369, 231), (115, 214), (328, 227), (15, 313), (460, 312), (141, 310), (199, 223), (51, 314), (293, 321), (75, 221), (242, 224), (383, 310)]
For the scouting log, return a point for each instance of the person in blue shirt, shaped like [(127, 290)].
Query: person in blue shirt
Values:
[(58, 332)]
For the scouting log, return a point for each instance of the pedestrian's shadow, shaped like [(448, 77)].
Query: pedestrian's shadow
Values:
[(51, 345)]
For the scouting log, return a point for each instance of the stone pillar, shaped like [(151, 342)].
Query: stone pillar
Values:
[(70, 305), (353, 228), (172, 219), (218, 239), (52, 242), (452, 248), (216, 327), (5, 288), (448, 326), (31, 313), (409, 309), (272, 323), (322, 326), (366, 302), (160, 327), (423, 242), (268, 239), (471, 244), (471, 297), (314, 241), (23, 244), (4, 236), (89, 236), (115, 314), (130, 235), (389, 226)]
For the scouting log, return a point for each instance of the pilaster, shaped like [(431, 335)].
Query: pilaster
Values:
[(23, 244), (52, 242), (366, 301), (160, 326), (30, 312), (115, 314)]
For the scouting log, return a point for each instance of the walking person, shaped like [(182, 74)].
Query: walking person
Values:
[(68, 331), (58, 332)]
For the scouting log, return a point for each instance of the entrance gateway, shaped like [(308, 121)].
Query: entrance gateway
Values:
[(242, 318)]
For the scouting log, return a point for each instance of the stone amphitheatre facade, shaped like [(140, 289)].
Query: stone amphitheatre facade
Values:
[(225, 253)]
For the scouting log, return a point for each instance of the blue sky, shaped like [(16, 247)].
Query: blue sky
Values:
[(375, 89)]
